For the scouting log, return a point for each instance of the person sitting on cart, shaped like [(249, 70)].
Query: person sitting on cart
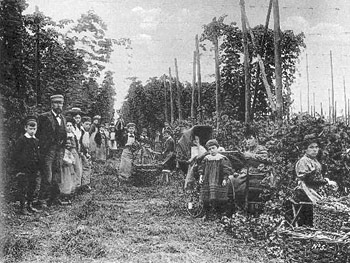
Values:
[(196, 150), (169, 157), (258, 166), (309, 172), (214, 171)]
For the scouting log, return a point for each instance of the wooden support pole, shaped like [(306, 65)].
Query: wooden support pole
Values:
[(199, 81), (329, 106), (178, 88), (217, 82), (171, 98), (333, 105), (165, 100), (262, 68), (345, 101), (308, 84), (246, 63), (193, 117), (261, 52), (37, 55), (348, 111), (278, 62), (314, 105)]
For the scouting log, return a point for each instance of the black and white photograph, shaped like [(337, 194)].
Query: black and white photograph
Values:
[(189, 131)]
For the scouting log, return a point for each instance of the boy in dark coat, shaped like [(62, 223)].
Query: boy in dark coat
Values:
[(26, 161)]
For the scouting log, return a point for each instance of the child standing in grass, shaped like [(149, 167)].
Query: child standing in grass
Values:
[(214, 172), (68, 181), (85, 153), (26, 162)]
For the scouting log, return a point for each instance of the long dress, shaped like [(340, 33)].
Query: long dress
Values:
[(86, 162), (214, 170), (128, 157), (78, 166), (101, 146), (195, 151), (310, 178), (67, 183)]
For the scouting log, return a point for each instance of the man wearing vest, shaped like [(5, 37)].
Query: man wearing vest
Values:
[(52, 139)]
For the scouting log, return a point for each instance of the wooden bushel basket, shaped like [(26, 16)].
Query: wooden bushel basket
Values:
[(311, 245), (330, 215)]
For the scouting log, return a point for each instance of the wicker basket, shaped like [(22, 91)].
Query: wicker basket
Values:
[(311, 245), (146, 174), (330, 215)]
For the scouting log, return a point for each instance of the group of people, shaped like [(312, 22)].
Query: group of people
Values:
[(144, 150), (222, 189), (53, 158)]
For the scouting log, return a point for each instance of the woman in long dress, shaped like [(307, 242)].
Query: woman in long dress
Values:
[(309, 174), (196, 150)]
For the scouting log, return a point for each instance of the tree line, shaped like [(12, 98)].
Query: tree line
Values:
[(40, 57)]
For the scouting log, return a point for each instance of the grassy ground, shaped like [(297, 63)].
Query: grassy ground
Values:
[(120, 223)]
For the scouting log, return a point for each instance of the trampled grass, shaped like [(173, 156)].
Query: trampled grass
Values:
[(121, 223)]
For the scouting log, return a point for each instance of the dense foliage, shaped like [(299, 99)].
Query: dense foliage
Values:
[(73, 60), (232, 88)]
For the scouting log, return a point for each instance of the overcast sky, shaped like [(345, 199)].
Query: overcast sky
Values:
[(161, 30)]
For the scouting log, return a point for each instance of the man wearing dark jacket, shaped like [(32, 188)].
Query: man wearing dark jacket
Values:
[(52, 138)]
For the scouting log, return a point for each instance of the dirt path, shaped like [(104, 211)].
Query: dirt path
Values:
[(124, 224)]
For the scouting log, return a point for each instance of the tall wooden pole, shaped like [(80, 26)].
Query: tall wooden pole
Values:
[(217, 81), (193, 118), (37, 56), (345, 101), (171, 98), (329, 106), (261, 51), (308, 84), (333, 106), (348, 111), (178, 88), (165, 100), (313, 98), (246, 63), (199, 80), (321, 110), (278, 68), (301, 100)]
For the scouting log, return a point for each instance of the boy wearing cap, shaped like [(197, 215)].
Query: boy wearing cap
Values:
[(214, 172), (26, 161)]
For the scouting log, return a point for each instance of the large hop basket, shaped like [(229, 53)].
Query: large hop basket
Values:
[(311, 245), (331, 214), (146, 174)]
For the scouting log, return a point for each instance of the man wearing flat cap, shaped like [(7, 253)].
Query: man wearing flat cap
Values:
[(52, 138)]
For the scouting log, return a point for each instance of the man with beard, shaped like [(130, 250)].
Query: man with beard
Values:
[(52, 139)]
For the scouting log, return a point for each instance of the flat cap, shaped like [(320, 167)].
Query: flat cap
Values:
[(57, 97)]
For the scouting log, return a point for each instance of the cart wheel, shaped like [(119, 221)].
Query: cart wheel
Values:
[(194, 206)]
